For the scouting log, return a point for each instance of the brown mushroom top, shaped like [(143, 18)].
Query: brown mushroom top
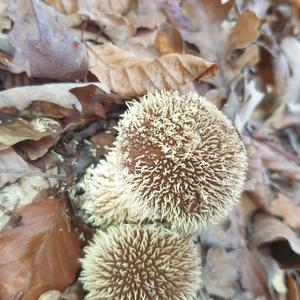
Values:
[(139, 263), (182, 157)]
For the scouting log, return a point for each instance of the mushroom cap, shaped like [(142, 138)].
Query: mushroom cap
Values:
[(182, 158), (98, 195), (140, 262)]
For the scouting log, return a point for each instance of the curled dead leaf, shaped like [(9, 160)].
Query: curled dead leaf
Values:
[(128, 75), (48, 258), (287, 209), (280, 239)]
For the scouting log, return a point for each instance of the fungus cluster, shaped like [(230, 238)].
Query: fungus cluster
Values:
[(140, 263), (177, 165)]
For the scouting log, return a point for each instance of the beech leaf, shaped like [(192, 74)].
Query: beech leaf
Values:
[(129, 75), (283, 242), (57, 93), (40, 254), (46, 48)]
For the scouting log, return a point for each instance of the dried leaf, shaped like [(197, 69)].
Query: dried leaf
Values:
[(112, 6), (46, 48), (287, 209), (277, 159), (168, 40), (291, 90), (252, 98), (128, 75), (21, 130), (115, 26), (284, 244), (146, 19), (12, 166), (253, 275), (48, 258), (220, 273), (57, 93), (244, 32), (257, 185), (22, 192), (175, 15), (215, 42)]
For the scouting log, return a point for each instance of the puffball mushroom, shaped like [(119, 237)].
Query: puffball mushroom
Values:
[(177, 160), (140, 263), (182, 159), (99, 196)]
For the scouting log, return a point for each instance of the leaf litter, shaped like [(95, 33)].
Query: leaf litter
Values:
[(64, 83)]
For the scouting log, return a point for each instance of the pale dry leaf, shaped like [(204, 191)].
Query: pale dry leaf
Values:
[(46, 48), (128, 75), (282, 241), (252, 98), (291, 90), (111, 6), (257, 185), (149, 19), (48, 258), (51, 295), (115, 26), (275, 158), (175, 15), (218, 263), (287, 209), (22, 192), (57, 93), (253, 276), (12, 166), (217, 42), (21, 130)]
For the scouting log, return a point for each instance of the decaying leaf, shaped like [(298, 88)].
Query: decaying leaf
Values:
[(112, 6), (287, 209), (46, 48), (257, 186), (276, 158), (22, 192), (57, 93), (220, 272), (49, 255), (253, 275), (291, 91), (21, 130), (168, 40), (283, 243), (12, 166), (128, 75), (217, 43)]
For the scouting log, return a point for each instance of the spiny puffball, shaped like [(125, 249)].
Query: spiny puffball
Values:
[(181, 157), (177, 159), (140, 263)]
